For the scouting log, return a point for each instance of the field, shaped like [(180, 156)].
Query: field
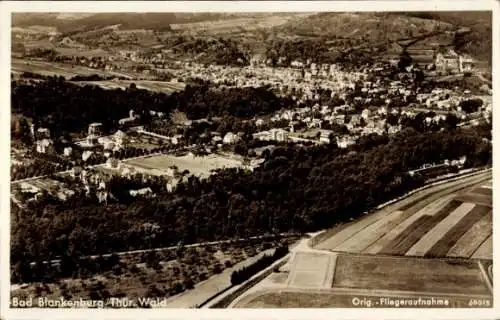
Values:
[(240, 24), (58, 69), (431, 244), (450, 222), (312, 270), (199, 166), (337, 299), (409, 274), (159, 86)]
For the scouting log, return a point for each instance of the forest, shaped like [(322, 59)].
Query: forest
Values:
[(296, 189), (64, 107)]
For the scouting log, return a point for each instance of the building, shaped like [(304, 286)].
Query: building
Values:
[(325, 136), (42, 133), (278, 134), (130, 120), (453, 62), (68, 151), (230, 138), (45, 146), (273, 134), (95, 129), (345, 141), (121, 139)]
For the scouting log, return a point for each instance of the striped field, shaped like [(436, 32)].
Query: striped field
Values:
[(449, 223)]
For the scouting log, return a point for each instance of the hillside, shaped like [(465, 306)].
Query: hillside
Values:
[(473, 36), (154, 21)]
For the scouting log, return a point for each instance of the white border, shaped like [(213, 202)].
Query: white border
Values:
[(7, 7)]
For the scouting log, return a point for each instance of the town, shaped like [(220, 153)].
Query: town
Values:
[(194, 160)]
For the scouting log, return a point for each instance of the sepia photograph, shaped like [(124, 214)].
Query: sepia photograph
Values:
[(327, 159)]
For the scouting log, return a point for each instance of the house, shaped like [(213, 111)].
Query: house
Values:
[(366, 114), (325, 136), (278, 134), (67, 151), (87, 154), (45, 146), (176, 139), (345, 141), (216, 139), (95, 129), (144, 192), (273, 134), (230, 138), (120, 138), (314, 123), (42, 133), (355, 120)]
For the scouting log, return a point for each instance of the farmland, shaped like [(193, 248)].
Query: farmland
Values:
[(289, 298), (59, 69), (158, 86), (408, 274), (432, 244), (430, 226)]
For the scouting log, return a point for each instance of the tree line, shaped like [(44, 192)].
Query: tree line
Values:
[(296, 189), (65, 107), (245, 273)]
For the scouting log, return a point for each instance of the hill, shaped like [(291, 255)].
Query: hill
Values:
[(159, 21), (470, 32)]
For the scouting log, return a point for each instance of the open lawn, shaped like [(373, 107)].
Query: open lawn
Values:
[(199, 166), (409, 274)]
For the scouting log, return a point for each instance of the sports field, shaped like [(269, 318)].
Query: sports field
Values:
[(452, 222), (199, 166)]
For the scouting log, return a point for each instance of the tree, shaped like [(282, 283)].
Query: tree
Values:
[(405, 60)]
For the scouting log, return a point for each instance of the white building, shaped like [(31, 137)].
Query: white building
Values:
[(45, 146), (230, 138)]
